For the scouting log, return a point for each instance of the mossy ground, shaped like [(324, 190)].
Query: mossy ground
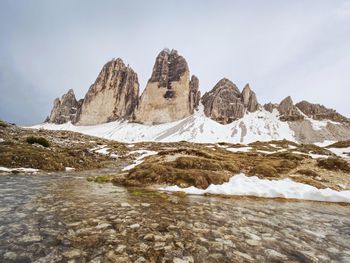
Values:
[(341, 144), (25, 148), (178, 163)]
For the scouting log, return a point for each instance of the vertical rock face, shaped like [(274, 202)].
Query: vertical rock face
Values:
[(288, 111), (64, 109), (320, 112), (114, 95), (249, 99), (169, 94), (195, 94), (224, 103)]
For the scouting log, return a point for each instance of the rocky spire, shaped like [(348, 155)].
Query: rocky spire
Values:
[(64, 109), (169, 94), (223, 103), (249, 99), (114, 95), (288, 111)]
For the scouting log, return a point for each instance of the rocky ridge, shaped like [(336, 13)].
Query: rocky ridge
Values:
[(320, 112)]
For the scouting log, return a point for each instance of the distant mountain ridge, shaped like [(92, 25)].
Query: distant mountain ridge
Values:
[(172, 95)]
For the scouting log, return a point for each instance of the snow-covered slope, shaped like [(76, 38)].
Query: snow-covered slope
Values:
[(260, 125)]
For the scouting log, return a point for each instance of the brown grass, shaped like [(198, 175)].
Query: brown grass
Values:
[(341, 144), (334, 164)]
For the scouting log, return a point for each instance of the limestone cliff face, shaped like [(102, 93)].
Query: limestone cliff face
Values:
[(320, 112), (170, 95), (225, 103), (64, 109), (114, 95), (195, 94), (250, 101)]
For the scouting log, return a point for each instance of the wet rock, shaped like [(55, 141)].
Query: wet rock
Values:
[(183, 260), (253, 242), (217, 246), (30, 238), (103, 226), (149, 237), (135, 226), (73, 253), (140, 260), (10, 255), (120, 249), (159, 245), (274, 255), (116, 258)]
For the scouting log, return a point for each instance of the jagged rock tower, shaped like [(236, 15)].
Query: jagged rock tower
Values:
[(114, 95), (170, 95), (64, 109)]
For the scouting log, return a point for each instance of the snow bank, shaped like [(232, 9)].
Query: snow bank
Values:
[(341, 152), (19, 170), (253, 186), (260, 125), (240, 149)]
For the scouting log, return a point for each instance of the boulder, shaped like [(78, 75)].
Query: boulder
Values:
[(113, 96), (320, 112), (64, 109), (170, 95)]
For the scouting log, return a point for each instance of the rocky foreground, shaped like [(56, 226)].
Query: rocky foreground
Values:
[(96, 200)]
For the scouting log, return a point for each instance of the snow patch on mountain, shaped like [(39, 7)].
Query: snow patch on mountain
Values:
[(260, 125)]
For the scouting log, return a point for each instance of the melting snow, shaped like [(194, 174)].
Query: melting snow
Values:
[(341, 152), (23, 170), (241, 149), (253, 186), (139, 159)]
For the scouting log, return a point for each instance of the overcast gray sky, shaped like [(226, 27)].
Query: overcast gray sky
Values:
[(298, 48)]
